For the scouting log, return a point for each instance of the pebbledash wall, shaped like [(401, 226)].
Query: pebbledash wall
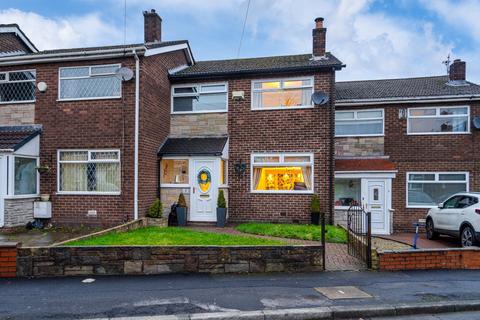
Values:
[(447, 152)]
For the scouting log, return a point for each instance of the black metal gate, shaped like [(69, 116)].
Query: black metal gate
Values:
[(360, 234)]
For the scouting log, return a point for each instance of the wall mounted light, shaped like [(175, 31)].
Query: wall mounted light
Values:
[(42, 86), (240, 168)]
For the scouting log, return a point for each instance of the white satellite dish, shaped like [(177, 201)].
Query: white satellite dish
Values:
[(124, 73)]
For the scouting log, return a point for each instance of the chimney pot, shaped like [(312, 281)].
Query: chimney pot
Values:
[(457, 70), (152, 26), (319, 38)]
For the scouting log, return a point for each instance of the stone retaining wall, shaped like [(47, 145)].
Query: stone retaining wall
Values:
[(128, 260), (426, 259), (8, 257)]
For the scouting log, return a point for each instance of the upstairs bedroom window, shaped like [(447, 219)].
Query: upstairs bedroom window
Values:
[(428, 189), (199, 98), (282, 94), (17, 86), (91, 82), (439, 120), (282, 173), (89, 172), (361, 123)]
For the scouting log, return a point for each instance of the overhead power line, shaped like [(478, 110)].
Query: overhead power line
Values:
[(243, 29)]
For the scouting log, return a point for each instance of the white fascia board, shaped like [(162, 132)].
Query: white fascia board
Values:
[(182, 46), (20, 34), (433, 99)]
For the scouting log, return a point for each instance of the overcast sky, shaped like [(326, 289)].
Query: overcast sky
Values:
[(375, 39)]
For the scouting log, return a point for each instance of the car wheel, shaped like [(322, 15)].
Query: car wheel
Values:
[(431, 234), (467, 237)]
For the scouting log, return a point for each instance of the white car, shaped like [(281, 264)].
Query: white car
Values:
[(458, 216)]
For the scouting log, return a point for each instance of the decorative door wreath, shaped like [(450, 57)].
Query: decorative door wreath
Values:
[(204, 179)]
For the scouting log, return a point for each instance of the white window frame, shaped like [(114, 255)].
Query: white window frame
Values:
[(89, 160), (7, 76), (198, 86), (59, 98), (281, 163), (176, 185), (20, 196), (436, 173), (437, 115), (281, 80), (355, 118)]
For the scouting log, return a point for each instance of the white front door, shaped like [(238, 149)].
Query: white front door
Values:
[(3, 188), (376, 198), (204, 191)]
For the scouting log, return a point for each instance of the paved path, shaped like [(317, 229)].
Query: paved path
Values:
[(70, 298), (424, 243), (337, 257)]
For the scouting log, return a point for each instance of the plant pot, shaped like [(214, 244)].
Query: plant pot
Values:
[(315, 218), (45, 197), (182, 216), (221, 217)]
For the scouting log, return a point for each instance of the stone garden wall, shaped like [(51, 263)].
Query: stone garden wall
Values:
[(129, 260)]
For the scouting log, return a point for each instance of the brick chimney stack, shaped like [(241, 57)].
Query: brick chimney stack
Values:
[(152, 26), (457, 70), (319, 38)]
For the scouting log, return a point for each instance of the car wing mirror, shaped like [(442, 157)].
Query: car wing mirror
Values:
[(440, 205)]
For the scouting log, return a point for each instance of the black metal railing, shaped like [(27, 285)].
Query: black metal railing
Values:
[(360, 234)]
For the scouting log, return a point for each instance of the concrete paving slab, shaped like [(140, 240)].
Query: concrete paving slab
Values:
[(343, 292)]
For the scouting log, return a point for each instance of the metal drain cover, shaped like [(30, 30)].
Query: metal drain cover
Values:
[(344, 292)]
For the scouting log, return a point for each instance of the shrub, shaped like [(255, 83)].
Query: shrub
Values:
[(315, 204), (221, 203), (156, 209), (181, 201)]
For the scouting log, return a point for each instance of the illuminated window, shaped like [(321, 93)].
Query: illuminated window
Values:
[(283, 173), (174, 171), (223, 172), (292, 93)]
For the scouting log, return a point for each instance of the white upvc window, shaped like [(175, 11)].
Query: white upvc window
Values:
[(89, 172), (428, 189), (17, 86), (439, 120), (291, 93), (359, 123), (282, 173), (174, 172), (26, 180), (200, 98), (89, 82)]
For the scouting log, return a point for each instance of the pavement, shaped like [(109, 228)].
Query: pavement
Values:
[(45, 237), (140, 296)]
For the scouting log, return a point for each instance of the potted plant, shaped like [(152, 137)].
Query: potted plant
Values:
[(181, 210), (221, 210), (315, 210), (43, 169), (156, 209)]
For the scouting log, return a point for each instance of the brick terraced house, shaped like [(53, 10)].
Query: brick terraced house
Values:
[(104, 145)]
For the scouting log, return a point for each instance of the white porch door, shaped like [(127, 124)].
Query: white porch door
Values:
[(204, 191), (376, 198), (3, 189)]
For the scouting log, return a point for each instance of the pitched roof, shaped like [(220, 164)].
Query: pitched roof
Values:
[(364, 165), (402, 89), (14, 137), (193, 146), (302, 62), (23, 43)]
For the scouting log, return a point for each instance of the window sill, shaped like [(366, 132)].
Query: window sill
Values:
[(341, 208), (438, 133), (281, 192), (22, 196), (174, 186), (420, 207), (64, 193), (88, 99), (283, 108), (198, 112), (17, 102), (360, 136)]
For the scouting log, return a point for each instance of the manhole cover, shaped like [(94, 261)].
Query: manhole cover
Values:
[(345, 292)]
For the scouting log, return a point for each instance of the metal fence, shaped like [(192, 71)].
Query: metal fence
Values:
[(360, 234)]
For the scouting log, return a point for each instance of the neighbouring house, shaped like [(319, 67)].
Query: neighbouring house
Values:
[(75, 125)]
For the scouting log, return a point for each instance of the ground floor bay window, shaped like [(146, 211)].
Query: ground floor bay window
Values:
[(282, 173)]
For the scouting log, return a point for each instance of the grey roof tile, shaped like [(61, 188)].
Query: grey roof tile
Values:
[(402, 88), (14, 137), (302, 62), (193, 146)]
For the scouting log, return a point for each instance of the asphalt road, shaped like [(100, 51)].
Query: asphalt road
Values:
[(445, 316), (70, 298)]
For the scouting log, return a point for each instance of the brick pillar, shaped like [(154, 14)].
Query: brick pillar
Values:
[(8, 260), (319, 38)]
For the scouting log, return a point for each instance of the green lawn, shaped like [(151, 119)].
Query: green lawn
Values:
[(166, 236), (294, 231)]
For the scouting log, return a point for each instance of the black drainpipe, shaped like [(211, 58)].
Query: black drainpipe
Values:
[(158, 177)]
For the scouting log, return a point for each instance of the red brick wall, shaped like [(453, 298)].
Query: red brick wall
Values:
[(429, 259), (455, 152), (8, 260), (10, 42), (154, 120), (300, 130)]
